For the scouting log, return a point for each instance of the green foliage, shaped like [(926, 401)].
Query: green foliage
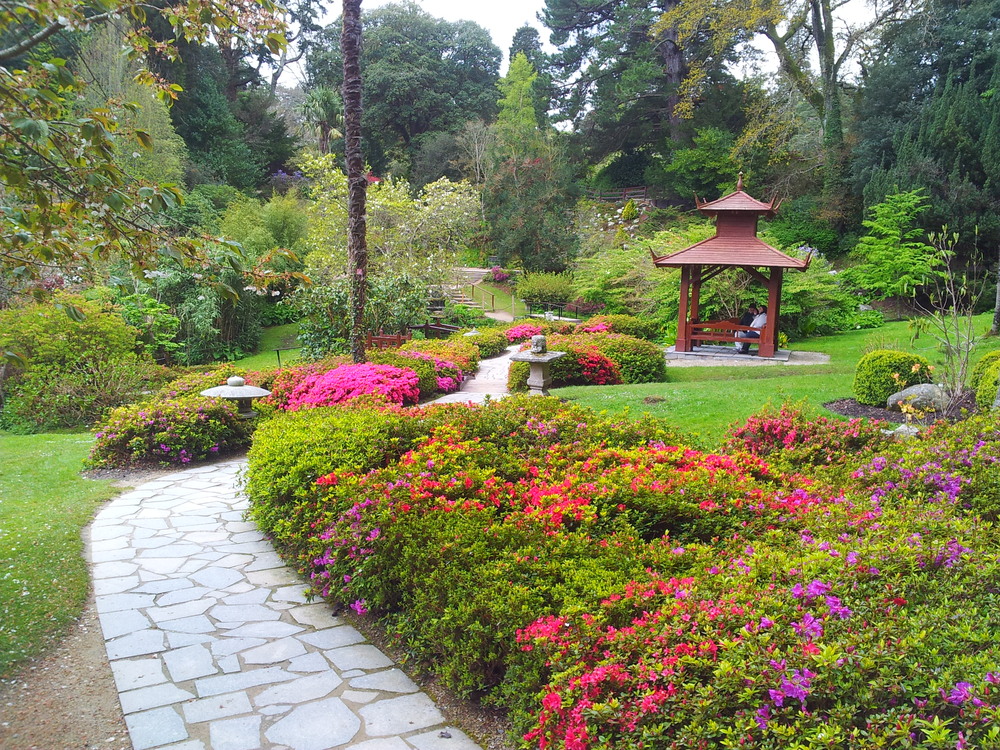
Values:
[(635, 361), (799, 223), (394, 303), (639, 361), (169, 432), (491, 342), (985, 363), (706, 169), (894, 261), (459, 350), (629, 211), (291, 451), (547, 288), (986, 387), (417, 236), (528, 192), (421, 75), (425, 370), (74, 369), (930, 121), (157, 327), (883, 372), (630, 325)]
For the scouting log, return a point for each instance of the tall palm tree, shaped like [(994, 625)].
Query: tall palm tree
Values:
[(357, 181), (323, 110)]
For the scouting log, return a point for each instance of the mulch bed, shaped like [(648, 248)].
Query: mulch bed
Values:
[(848, 407)]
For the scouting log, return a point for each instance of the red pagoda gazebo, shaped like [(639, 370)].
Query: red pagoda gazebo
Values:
[(735, 245)]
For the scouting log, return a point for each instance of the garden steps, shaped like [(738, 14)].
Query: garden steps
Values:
[(213, 643)]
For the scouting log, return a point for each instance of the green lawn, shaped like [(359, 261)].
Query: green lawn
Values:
[(706, 400), (44, 504), (276, 337), (502, 300)]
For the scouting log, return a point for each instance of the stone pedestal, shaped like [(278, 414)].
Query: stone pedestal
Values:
[(540, 374)]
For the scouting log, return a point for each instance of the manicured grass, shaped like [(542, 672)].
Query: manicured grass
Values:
[(706, 400), (44, 504), (276, 337), (502, 301)]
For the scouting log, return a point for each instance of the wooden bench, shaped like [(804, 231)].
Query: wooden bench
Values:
[(387, 341), (723, 331), (436, 330)]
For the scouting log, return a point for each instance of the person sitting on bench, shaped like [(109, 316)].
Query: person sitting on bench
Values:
[(749, 315), (757, 323)]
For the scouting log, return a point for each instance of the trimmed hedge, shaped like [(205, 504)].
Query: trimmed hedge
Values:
[(630, 325), (461, 351), (986, 391), (491, 342), (985, 363), (885, 371)]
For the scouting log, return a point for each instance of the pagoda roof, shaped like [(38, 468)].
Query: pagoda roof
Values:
[(731, 251), (737, 201)]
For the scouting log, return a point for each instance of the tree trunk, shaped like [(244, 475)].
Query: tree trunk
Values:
[(357, 181), (676, 71)]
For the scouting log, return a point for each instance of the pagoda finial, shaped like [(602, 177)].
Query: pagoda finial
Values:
[(739, 180)]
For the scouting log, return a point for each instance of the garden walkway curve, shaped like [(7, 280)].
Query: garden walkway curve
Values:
[(214, 646)]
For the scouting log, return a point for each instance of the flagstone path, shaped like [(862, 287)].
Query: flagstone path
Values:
[(213, 644)]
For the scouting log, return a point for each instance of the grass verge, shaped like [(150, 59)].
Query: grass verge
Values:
[(706, 400), (44, 504), (275, 337)]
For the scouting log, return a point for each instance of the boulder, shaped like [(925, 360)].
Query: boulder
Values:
[(925, 397)]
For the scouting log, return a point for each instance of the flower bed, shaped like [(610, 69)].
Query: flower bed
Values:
[(614, 588)]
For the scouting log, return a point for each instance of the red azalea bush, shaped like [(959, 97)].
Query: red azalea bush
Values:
[(584, 364), (794, 438), (346, 382), (616, 590)]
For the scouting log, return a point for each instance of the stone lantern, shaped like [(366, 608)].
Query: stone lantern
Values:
[(539, 360), (237, 390)]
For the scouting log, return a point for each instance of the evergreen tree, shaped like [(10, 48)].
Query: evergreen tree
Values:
[(529, 194)]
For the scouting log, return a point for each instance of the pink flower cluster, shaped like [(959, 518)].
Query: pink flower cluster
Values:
[(397, 385), (449, 375), (522, 332)]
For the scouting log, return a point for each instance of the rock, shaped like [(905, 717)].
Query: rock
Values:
[(925, 397)]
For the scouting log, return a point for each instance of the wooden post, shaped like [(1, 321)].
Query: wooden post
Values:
[(695, 292), (769, 336), (683, 343)]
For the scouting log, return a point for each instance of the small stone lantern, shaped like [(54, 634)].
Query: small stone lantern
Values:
[(540, 360), (236, 389)]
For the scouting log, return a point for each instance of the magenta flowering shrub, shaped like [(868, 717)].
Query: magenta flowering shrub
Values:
[(522, 332), (395, 384), (169, 432), (615, 589), (497, 275)]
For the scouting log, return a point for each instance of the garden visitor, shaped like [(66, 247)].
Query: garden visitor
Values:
[(749, 315), (757, 323)]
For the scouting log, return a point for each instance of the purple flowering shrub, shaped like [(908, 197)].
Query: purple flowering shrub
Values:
[(169, 432), (497, 275), (615, 589)]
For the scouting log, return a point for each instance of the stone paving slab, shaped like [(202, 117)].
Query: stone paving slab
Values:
[(213, 645)]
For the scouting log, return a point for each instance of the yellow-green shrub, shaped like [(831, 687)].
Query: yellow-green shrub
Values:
[(883, 372)]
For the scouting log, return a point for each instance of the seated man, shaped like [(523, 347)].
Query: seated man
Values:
[(749, 315), (757, 323)]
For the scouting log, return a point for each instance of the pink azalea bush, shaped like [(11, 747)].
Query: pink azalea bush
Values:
[(522, 332), (395, 384), (449, 375)]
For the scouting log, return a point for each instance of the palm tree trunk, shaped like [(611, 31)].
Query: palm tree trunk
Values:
[(357, 181)]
